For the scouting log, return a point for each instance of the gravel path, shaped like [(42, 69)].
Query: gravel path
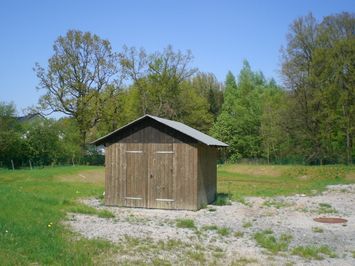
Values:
[(151, 236)]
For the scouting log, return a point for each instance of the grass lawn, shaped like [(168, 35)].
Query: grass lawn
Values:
[(34, 202), (269, 180)]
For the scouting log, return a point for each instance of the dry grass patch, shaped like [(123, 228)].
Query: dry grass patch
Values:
[(96, 176), (256, 170)]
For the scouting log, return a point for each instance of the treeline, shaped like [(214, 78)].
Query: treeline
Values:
[(35, 141), (309, 119)]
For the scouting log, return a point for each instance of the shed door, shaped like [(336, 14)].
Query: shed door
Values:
[(161, 176), (136, 175)]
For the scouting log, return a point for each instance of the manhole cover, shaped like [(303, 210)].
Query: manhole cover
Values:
[(330, 220)]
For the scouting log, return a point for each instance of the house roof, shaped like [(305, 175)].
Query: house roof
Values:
[(182, 128)]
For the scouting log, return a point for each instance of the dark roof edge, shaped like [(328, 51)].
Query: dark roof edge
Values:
[(99, 141)]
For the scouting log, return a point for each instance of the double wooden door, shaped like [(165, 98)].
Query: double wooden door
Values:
[(150, 175)]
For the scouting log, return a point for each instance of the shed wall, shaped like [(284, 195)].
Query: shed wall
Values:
[(207, 175), (131, 158)]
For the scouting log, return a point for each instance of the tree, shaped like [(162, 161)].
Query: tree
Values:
[(207, 86), (12, 143), (225, 126), (42, 139), (82, 67), (245, 122), (272, 133), (318, 71), (158, 78)]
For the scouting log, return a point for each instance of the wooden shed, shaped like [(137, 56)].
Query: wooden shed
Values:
[(159, 163)]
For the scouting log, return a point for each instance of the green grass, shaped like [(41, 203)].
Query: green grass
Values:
[(210, 227), (197, 256), (239, 181), (222, 199), (276, 203), (267, 240), (247, 225), (325, 208), (313, 252), (84, 209), (33, 204), (238, 234), (185, 223), (317, 230), (223, 231)]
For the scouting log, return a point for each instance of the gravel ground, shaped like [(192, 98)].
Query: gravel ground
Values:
[(151, 236)]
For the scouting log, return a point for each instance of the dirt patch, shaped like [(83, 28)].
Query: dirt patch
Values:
[(88, 176), (225, 235)]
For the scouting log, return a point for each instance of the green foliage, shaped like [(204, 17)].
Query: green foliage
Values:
[(276, 203), (222, 199), (223, 231), (82, 67), (242, 120), (267, 240), (247, 225), (318, 69), (317, 230), (210, 227), (313, 252), (185, 223), (238, 234), (326, 208)]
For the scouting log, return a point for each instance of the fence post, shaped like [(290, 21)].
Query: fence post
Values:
[(30, 164), (12, 163)]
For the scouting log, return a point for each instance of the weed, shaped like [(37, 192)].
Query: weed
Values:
[(325, 208), (276, 203), (313, 252), (353, 253), (317, 230), (185, 223), (267, 240), (247, 225), (212, 209), (159, 262), (238, 234), (210, 227), (222, 199), (197, 256), (243, 261), (223, 231), (105, 214)]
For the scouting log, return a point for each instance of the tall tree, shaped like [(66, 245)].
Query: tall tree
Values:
[(207, 86), (225, 126), (318, 70), (82, 67), (158, 78)]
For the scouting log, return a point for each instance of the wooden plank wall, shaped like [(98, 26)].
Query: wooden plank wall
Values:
[(207, 175), (149, 140)]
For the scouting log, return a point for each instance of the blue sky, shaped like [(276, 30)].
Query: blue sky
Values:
[(220, 34)]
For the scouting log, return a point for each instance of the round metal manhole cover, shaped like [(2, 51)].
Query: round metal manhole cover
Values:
[(330, 220)]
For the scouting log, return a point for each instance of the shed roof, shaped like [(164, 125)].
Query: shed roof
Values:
[(182, 128)]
